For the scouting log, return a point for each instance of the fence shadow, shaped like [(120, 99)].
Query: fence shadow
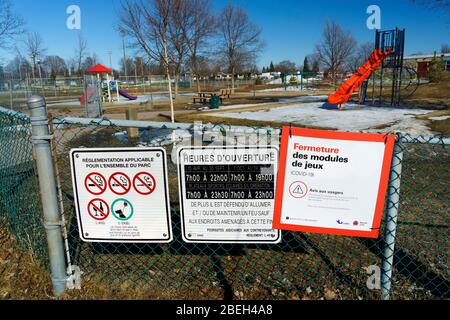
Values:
[(412, 268)]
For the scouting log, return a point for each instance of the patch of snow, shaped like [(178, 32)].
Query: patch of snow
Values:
[(439, 118), (276, 81), (123, 100), (284, 100), (290, 88), (351, 119)]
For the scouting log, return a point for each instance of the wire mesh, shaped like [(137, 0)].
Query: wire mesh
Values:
[(303, 265)]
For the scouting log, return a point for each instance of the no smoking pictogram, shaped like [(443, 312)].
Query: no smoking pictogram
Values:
[(119, 183), (298, 189), (98, 209), (144, 183), (95, 183)]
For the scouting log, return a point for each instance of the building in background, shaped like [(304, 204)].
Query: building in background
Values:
[(422, 63)]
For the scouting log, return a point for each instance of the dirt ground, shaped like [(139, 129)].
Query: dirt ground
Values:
[(426, 96)]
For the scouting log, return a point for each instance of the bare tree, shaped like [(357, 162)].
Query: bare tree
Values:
[(336, 49), (80, 53), (441, 5), (11, 25), (286, 66), (239, 41), (72, 64), (126, 64), (363, 52), (198, 27), (177, 41), (147, 25), (90, 61), (445, 48), (35, 49), (54, 65)]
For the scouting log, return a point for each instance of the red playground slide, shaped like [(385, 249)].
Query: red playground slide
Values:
[(345, 91)]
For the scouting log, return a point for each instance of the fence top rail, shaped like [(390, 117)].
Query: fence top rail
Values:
[(58, 121), (164, 125), (13, 113), (407, 138)]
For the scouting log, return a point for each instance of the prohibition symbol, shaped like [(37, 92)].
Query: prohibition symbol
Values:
[(98, 209), (144, 183), (298, 189), (119, 183), (95, 183)]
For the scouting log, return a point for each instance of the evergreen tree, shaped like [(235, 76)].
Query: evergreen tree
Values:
[(271, 68), (437, 72), (306, 65), (264, 70), (315, 67)]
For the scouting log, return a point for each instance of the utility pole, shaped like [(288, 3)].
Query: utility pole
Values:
[(110, 63), (40, 77), (124, 57)]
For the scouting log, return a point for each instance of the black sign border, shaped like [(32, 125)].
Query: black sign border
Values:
[(180, 186)]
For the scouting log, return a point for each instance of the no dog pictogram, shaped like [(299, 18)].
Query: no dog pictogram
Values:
[(95, 183), (144, 183), (119, 183), (98, 209)]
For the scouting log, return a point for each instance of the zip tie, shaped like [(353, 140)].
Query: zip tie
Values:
[(42, 139), (53, 225), (38, 118), (60, 280)]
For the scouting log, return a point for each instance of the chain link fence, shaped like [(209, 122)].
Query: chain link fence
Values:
[(15, 92), (303, 265)]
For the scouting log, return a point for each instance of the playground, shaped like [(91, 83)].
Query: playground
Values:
[(98, 174), (383, 95)]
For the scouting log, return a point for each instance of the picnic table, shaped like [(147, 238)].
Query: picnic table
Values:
[(205, 97)]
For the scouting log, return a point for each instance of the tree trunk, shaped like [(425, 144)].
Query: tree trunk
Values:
[(177, 78), (198, 83), (166, 58), (232, 78)]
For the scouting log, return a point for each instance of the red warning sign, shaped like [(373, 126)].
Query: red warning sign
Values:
[(95, 183), (98, 209), (144, 183), (298, 189), (119, 183)]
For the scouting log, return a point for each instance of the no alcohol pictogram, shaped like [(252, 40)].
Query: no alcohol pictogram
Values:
[(119, 183), (98, 209), (144, 183), (95, 183), (298, 189)]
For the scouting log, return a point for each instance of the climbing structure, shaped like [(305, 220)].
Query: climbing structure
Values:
[(391, 69)]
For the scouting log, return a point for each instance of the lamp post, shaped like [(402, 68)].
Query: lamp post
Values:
[(110, 63), (40, 77), (10, 89), (124, 56)]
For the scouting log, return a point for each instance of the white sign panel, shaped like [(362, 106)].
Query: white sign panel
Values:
[(332, 182), (227, 194), (121, 194)]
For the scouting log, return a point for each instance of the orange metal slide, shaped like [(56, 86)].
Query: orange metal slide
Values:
[(352, 84)]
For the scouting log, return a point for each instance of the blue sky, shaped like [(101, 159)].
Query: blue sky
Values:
[(291, 28)]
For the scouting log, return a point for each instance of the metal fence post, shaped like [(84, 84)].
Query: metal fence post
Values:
[(391, 220), (44, 162)]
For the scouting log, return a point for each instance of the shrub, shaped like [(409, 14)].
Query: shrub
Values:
[(437, 72)]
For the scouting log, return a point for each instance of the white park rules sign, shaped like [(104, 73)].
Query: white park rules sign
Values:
[(227, 194), (332, 182), (121, 194)]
